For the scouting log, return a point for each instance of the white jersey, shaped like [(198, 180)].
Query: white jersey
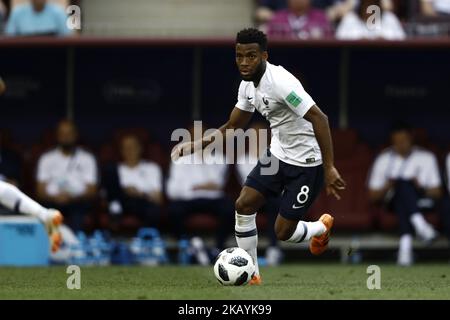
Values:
[(421, 165), (281, 99)]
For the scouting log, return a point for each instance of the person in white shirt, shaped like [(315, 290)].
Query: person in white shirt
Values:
[(435, 8), (300, 159), (359, 25), (134, 185), (407, 179), (194, 187), (244, 165), (67, 176)]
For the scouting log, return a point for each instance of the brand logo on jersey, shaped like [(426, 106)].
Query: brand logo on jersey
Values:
[(266, 102), (294, 99), (249, 98)]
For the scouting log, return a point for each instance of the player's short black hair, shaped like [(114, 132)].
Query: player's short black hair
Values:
[(252, 35), (400, 125)]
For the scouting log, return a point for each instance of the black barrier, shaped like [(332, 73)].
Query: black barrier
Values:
[(163, 84)]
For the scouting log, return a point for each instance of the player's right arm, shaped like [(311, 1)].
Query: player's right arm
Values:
[(238, 119)]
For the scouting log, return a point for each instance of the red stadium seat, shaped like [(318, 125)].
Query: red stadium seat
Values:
[(262, 222), (202, 222), (155, 152), (353, 160), (107, 153), (351, 212), (344, 141)]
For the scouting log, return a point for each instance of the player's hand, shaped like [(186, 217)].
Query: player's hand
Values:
[(333, 182), (182, 149)]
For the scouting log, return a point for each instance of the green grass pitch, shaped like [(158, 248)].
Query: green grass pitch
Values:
[(290, 281)]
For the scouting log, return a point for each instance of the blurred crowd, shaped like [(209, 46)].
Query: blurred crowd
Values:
[(353, 19), (286, 19)]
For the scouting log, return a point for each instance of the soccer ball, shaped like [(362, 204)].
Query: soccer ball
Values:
[(234, 267)]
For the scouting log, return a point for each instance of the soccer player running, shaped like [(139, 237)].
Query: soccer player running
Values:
[(14, 199), (301, 145)]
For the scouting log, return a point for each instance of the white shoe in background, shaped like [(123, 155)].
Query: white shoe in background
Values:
[(273, 256), (424, 230), (428, 233), (199, 251)]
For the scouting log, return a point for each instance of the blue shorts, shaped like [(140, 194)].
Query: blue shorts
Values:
[(299, 186)]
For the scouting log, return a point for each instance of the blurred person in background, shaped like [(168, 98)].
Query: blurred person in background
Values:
[(67, 176), (362, 24), (266, 9), (300, 21), (134, 185), (335, 9), (195, 185), (244, 165), (435, 8), (406, 179), (37, 18)]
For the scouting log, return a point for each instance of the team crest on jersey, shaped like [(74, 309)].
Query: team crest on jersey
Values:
[(294, 99)]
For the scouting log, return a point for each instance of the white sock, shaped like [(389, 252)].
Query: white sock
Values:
[(16, 200), (247, 235), (405, 250), (307, 230)]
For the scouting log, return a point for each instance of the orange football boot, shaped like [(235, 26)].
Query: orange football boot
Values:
[(256, 280), (54, 220), (319, 244)]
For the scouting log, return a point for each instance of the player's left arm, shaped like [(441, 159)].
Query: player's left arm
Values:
[(333, 181)]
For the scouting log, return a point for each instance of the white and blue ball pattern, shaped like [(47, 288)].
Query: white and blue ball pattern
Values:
[(234, 267)]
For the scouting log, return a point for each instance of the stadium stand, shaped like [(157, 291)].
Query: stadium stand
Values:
[(167, 19)]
